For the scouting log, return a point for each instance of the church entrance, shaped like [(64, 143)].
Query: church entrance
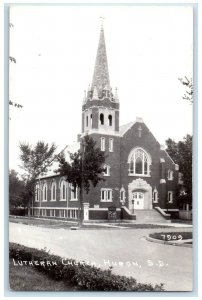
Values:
[(138, 200), (139, 195)]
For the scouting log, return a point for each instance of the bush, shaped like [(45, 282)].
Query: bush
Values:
[(84, 276), (18, 211)]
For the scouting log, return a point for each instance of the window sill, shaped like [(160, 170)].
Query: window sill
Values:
[(73, 200), (52, 200), (105, 200), (63, 200), (139, 175)]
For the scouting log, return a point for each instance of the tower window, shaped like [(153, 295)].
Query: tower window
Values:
[(91, 119), (102, 144), (86, 121), (110, 145), (101, 119), (110, 120)]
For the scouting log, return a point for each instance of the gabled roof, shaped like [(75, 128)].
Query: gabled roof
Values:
[(67, 150), (124, 128)]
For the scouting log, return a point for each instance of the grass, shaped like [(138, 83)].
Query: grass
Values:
[(170, 236), (27, 278), (48, 223)]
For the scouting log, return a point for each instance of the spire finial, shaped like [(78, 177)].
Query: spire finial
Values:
[(102, 21)]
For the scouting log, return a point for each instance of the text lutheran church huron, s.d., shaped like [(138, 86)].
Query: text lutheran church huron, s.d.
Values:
[(141, 179)]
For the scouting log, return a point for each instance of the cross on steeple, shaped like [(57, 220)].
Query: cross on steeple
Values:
[(139, 131)]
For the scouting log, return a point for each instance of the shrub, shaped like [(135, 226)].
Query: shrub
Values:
[(84, 276), (18, 211)]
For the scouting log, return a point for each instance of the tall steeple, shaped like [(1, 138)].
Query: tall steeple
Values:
[(101, 75), (100, 109)]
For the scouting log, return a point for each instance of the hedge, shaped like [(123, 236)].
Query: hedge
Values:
[(84, 277)]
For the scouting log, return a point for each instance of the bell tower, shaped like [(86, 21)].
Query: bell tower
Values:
[(100, 108)]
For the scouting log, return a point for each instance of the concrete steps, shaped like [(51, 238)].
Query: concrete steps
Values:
[(150, 216)]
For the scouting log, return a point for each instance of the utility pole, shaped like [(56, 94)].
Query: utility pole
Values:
[(80, 214)]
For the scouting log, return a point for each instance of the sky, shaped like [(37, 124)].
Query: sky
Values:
[(148, 49)]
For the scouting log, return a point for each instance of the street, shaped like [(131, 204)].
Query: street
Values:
[(126, 250)]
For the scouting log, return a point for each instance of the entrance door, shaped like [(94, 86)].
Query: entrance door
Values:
[(138, 200)]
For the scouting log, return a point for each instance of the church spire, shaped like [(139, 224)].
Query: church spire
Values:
[(101, 74)]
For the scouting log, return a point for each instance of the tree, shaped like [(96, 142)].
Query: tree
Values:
[(181, 153), (189, 92), (35, 160), (16, 189), (12, 59), (85, 168)]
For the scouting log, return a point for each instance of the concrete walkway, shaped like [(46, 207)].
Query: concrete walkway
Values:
[(127, 251)]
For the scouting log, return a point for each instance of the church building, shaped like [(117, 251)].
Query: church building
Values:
[(141, 179)]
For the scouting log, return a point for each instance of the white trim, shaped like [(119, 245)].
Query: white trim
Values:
[(53, 207), (138, 175), (171, 209), (102, 132), (104, 209), (169, 156), (106, 190)]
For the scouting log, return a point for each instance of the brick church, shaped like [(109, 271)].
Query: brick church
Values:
[(141, 179)]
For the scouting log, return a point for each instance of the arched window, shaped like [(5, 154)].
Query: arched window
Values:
[(53, 191), (170, 175), (37, 191), (44, 191), (73, 192), (101, 119), (63, 190), (110, 120), (91, 120), (86, 121), (139, 162)]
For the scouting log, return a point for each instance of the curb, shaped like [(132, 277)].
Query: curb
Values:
[(172, 243)]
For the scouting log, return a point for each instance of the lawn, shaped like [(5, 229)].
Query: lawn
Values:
[(54, 223), (26, 278)]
